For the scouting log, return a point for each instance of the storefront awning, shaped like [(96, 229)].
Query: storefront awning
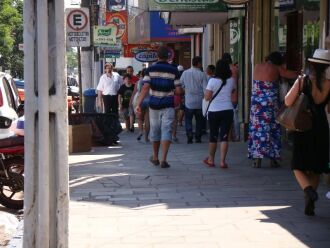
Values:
[(195, 18)]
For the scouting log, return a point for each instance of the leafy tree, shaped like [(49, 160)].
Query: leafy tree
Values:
[(72, 60), (11, 35)]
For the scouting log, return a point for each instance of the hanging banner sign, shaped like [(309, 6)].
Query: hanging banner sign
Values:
[(131, 49), (77, 27), (119, 19), (236, 27), (147, 56), (105, 35), (187, 5), (113, 50)]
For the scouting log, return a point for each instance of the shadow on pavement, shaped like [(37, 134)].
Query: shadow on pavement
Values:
[(123, 177)]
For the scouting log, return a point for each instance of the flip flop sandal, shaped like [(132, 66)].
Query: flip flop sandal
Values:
[(224, 166), (207, 163)]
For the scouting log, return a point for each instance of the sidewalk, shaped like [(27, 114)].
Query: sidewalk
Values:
[(118, 199)]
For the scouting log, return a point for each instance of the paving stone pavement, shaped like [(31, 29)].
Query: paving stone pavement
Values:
[(118, 199)]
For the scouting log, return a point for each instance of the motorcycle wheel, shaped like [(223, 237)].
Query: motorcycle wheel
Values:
[(12, 192), (15, 165)]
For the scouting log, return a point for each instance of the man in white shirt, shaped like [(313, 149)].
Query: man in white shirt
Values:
[(107, 89)]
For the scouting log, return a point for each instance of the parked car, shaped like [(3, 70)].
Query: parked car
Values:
[(9, 105)]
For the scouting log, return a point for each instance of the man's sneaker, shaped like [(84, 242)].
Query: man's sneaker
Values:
[(164, 164)]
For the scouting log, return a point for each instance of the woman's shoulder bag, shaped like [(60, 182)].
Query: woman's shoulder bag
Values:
[(297, 117)]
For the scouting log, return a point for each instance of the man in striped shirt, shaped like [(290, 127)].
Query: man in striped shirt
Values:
[(162, 80)]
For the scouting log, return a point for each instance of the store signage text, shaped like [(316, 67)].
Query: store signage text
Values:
[(147, 56)]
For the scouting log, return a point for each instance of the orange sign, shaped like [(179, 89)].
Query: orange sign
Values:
[(120, 19), (131, 50)]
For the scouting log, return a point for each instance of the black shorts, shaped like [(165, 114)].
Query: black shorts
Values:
[(220, 120)]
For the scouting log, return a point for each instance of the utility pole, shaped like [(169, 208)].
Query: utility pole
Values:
[(46, 191), (87, 56)]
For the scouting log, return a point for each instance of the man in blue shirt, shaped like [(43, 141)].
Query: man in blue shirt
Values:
[(162, 80)]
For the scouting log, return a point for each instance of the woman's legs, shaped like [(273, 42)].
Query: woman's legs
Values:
[(127, 123), (308, 181), (180, 116), (131, 122), (223, 153), (225, 125), (212, 149)]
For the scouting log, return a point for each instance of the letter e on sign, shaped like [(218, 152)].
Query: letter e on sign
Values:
[(77, 19), (78, 28)]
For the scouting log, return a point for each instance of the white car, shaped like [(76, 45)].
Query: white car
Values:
[(8, 105)]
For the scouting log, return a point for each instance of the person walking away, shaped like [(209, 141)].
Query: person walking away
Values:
[(194, 82), (264, 132), (162, 79), (124, 96), (180, 115), (311, 148), (178, 109), (134, 80), (210, 71), (234, 133), (220, 112), (107, 90), (143, 117)]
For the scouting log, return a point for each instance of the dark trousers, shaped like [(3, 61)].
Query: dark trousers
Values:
[(189, 114), (220, 120), (110, 104)]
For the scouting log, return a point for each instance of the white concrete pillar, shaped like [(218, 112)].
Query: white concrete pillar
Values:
[(46, 194), (87, 68)]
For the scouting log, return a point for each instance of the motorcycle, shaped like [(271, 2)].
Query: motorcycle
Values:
[(12, 171), (73, 99)]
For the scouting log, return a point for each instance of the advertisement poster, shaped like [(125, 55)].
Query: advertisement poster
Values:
[(120, 20), (105, 35), (131, 50)]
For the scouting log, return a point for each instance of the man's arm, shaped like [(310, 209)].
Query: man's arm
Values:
[(133, 94), (144, 92), (99, 98)]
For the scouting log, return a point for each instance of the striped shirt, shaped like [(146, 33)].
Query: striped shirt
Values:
[(162, 78)]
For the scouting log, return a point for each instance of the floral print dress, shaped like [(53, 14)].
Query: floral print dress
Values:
[(264, 132)]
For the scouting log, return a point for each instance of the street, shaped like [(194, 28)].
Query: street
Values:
[(118, 199)]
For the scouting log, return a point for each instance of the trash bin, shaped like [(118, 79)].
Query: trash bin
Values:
[(90, 100)]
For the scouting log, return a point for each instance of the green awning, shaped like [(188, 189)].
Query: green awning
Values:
[(188, 5)]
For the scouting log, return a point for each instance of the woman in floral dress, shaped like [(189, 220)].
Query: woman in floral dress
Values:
[(264, 131)]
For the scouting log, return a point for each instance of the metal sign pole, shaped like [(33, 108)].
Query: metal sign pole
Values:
[(80, 84)]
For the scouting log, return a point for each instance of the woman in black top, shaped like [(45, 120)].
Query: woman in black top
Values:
[(311, 148)]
